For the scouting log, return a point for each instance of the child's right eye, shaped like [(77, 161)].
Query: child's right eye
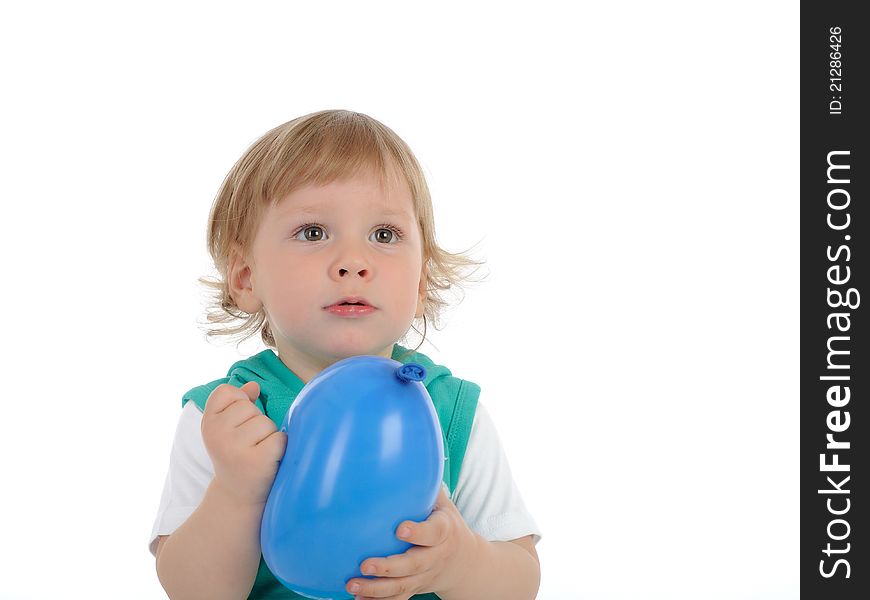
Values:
[(310, 231)]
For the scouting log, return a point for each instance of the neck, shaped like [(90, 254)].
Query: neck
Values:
[(306, 365)]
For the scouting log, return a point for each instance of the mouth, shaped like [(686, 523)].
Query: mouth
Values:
[(351, 301), (350, 308)]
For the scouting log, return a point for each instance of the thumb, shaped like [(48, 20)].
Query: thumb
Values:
[(252, 389)]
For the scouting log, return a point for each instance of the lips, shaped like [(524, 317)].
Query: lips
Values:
[(351, 307), (351, 301)]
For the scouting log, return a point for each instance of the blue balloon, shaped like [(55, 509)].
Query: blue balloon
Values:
[(364, 452)]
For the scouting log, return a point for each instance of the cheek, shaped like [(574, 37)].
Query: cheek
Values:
[(287, 290), (291, 310), (408, 281)]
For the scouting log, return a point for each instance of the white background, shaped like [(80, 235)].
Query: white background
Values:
[(629, 170)]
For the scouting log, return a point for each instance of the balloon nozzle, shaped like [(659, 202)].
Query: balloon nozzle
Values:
[(411, 372)]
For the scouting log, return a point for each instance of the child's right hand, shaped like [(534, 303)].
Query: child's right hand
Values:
[(245, 446)]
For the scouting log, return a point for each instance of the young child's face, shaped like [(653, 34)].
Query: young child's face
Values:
[(345, 244)]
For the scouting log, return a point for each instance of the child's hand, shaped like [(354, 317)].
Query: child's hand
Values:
[(443, 554), (243, 443)]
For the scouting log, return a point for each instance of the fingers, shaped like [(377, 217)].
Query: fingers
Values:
[(230, 412), (434, 529), (431, 532), (224, 395), (238, 413), (252, 389), (256, 429), (231, 409), (276, 442), (411, 562), (402, 575), (233, 404), (242, 442)]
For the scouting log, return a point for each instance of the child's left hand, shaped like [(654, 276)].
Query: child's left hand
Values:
[(443, 552)]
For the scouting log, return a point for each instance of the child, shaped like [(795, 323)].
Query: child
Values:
[(323, 235)]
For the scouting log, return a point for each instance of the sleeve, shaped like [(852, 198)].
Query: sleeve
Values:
[(486, 494), (190, 473)]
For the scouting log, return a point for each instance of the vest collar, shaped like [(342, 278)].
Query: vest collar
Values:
[(279, 386)]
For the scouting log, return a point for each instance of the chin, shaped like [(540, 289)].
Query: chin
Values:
[(349, 348)]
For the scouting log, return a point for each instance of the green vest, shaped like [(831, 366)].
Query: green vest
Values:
[(455, 403)]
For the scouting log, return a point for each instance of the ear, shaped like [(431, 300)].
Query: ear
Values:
[(241, 289)]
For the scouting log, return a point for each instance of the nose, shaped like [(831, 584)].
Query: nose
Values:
[(351, 263), (362, 272)]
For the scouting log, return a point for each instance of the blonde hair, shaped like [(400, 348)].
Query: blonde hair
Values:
[(318, 149)]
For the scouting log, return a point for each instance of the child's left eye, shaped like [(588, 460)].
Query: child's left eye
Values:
[(394, 234)]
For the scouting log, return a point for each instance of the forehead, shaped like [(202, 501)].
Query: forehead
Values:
[(364, 192)]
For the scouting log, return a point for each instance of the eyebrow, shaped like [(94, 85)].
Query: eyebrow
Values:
[(311, 210)]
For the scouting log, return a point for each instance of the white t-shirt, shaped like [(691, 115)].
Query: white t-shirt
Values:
[(485, 494)]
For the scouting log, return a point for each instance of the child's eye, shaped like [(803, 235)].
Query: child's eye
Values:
[(387, 234), (384, 234), (314, 236)]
